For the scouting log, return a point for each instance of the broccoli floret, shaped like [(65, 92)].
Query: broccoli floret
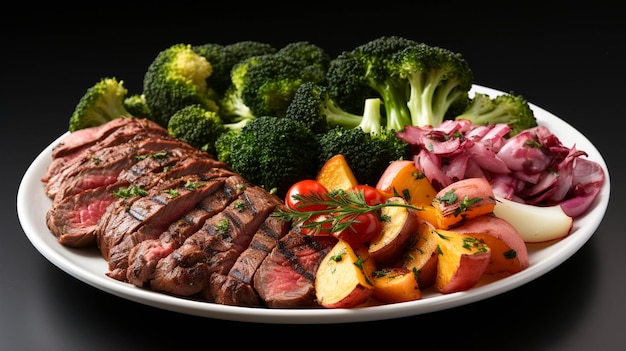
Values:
[(196, 126), (101, 103), (200, 127), (222, 145), (273, 152), (510, 108), (219, 79), (223, 57), (313, 59), (369, 71), (176, 78), (367, 154), (241, 50), (136, 106), (312, 106), (440, 81), (264, 85)]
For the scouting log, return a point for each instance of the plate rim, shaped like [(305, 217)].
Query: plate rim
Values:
[(66, 258)]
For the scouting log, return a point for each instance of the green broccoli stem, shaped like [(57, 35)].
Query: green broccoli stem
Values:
[(371, 121), (395, 104), (336, 116), (444, 97), (236, 126), (420, 102)]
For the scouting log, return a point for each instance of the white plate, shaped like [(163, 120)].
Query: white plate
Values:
[(89, 267)]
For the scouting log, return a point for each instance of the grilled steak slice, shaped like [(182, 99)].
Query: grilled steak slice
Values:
[(148, 216), (155, 162), (106, 163), (74, 220), (215, 247), (286, 277), (88, 136), (116, 132), (146, 165), (211, 200), (235, 288), (143, 258)]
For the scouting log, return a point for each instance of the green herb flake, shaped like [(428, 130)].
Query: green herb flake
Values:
[(191, 185), (222, 228), (129, 192), (338, 257), (448, 198), (418, 175), (511, 254), (159, 155), (470, 243), (240, 205), (172, 193), (406, 194), (466, 203), (416, 274), (532, 143)]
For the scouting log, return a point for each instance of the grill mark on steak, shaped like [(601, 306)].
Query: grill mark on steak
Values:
[(147, 217), (286, 277), (74, 220), (215, 247), (235, 288), (118, 131), (144, 257)]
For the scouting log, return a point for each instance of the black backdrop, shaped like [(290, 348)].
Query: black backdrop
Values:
[(560, 57)]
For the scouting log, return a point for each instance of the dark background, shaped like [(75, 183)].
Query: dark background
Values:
[(563, 58)]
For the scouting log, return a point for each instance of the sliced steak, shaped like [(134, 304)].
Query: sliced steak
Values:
[(106, 163), (215, 247), (286, 277), (74, 220), (143, 258), (118, 131), (148, 216), (159, 162), (235, 288), (88, 136)]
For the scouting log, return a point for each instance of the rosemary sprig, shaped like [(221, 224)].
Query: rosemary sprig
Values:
[(343, 207)]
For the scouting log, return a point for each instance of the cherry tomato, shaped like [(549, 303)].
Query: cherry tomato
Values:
[(305, 188), (363, 228), (322, 227), (372, 195)]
